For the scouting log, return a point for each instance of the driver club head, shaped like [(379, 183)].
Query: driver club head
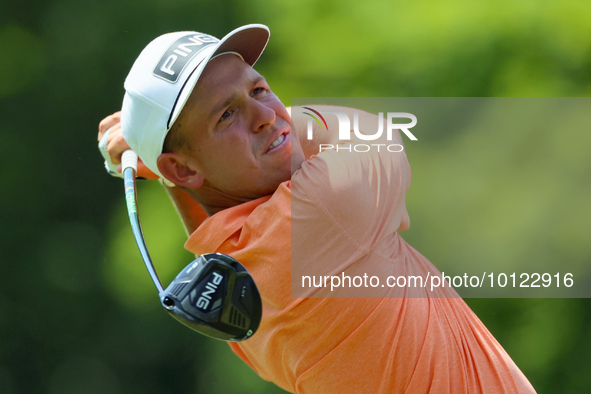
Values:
[(215, 296)]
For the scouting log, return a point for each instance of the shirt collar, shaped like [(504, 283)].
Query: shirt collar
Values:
[(219, 227)]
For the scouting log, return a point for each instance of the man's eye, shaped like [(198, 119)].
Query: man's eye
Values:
[(257, 91), (225, 115)]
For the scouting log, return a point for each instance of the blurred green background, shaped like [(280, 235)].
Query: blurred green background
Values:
[(78, 313)]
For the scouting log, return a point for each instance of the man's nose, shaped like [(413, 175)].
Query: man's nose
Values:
[(262, 116)]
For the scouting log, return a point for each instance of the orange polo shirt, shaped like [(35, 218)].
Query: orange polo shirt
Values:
[(341, 213)]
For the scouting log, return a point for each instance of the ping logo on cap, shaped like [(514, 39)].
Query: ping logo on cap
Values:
[(177, 56)]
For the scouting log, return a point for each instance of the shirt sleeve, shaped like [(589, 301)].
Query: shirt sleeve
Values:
[(344, 203), (361, 193)]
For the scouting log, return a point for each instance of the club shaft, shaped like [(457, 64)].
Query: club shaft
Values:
[(136, 226)]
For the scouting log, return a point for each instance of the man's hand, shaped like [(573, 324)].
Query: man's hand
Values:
[(116, 144), (190, 211)]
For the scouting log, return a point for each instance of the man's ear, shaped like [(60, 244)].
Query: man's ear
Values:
[(175, 168)]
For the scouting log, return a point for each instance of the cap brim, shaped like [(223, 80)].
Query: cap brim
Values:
[(249, 41)]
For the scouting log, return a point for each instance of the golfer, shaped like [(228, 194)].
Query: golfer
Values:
[(250, 184)]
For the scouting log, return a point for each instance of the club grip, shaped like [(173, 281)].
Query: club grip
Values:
[(129, 160)]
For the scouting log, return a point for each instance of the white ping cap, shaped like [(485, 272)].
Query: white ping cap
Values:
[(163, 77)]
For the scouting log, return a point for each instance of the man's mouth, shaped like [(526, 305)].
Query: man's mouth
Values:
[(277, 142)]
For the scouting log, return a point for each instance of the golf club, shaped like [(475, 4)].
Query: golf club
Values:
[(214, 294)]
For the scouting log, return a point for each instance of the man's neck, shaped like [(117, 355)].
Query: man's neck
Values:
[(213, 200)]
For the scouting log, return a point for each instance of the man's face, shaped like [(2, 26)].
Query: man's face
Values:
[(237, 132)]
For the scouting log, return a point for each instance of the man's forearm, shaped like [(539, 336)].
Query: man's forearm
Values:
[(189, 210)]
